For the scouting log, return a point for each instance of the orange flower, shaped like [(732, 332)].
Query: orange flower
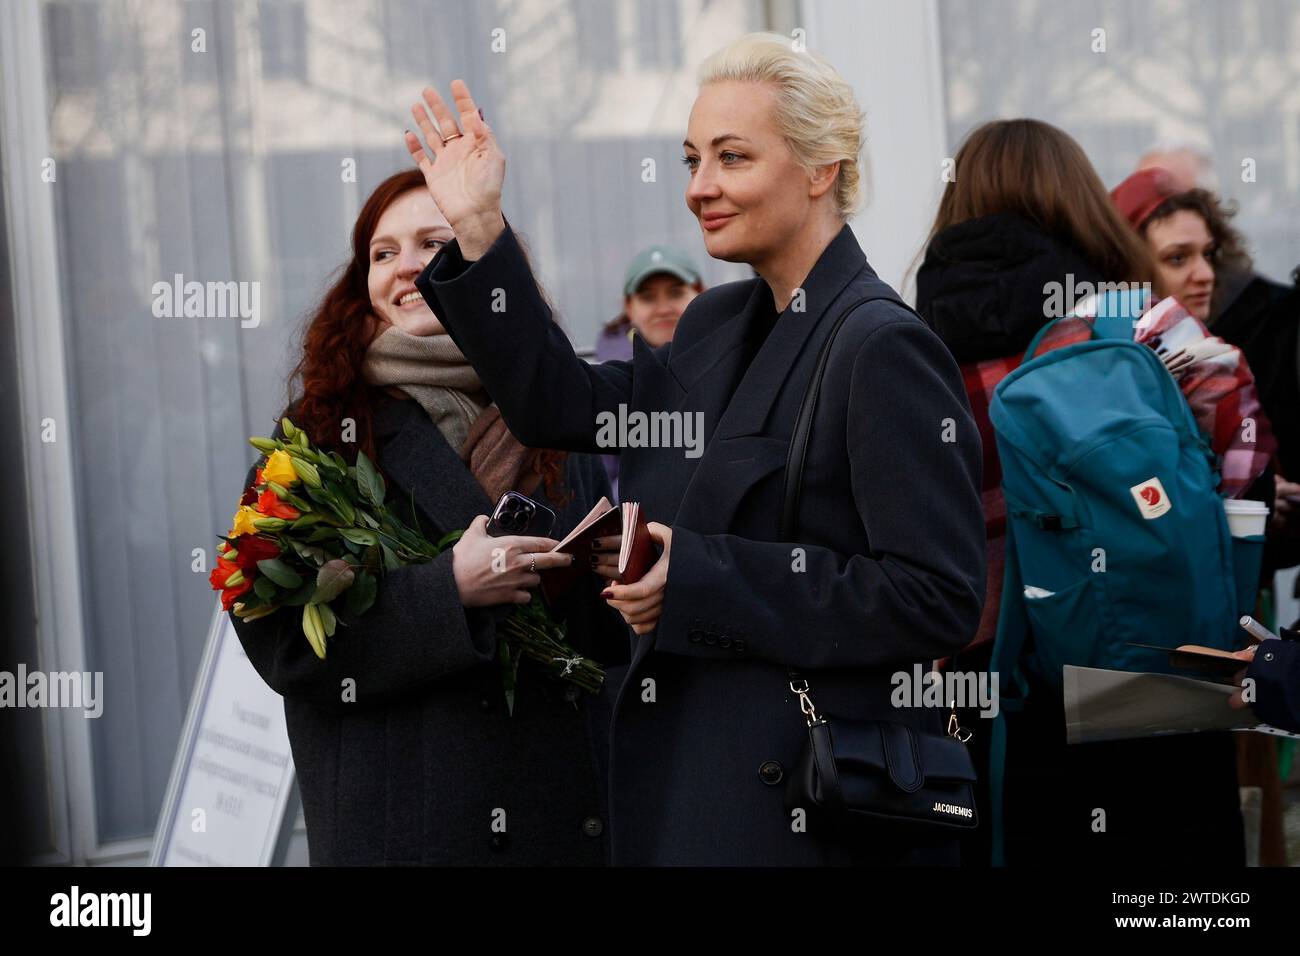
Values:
[(221, 572), (220, 581), (231, 595), (271, 506)]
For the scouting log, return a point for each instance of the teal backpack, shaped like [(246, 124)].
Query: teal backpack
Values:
[(1116, 532)]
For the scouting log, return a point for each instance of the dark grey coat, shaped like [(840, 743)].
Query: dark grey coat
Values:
[(413, 770), (888, 568)]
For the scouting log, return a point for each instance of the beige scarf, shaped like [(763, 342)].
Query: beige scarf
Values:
[(434, 372)]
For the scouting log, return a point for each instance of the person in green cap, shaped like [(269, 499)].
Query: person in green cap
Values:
[(659, 284)]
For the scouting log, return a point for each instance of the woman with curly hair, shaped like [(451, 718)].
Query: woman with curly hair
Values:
[(1201, 260), (403, 747)]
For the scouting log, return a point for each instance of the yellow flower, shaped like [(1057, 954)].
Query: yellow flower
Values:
[(279, 468), (243, 521)]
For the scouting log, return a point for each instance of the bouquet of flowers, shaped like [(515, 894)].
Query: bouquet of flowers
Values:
[(314, 532)]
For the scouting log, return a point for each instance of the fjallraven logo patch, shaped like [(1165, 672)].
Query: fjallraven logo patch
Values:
[(1151, 498)]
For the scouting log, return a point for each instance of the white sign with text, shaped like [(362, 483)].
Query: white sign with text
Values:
[(233, 774)]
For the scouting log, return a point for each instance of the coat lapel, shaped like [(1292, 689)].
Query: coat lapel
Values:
[(741, 450), (693, 378), (419, 459)]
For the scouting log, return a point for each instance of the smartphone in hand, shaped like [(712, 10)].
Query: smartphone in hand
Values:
[(519, 514)]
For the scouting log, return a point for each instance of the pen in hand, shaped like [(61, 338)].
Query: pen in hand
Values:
[(1256, 630)]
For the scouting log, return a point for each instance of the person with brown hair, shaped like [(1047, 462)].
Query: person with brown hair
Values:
[(1202, 260), (421, 763), (1026, 221), (1025, 218)]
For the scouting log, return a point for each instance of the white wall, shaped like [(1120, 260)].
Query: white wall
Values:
[(890, 52)]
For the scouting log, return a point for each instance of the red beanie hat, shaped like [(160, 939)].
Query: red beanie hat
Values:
[(1142, 193)]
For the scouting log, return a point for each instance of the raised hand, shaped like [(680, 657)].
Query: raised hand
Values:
[(466, 170)]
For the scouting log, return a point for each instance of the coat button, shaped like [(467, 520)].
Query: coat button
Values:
[(571, 692), (593, 826), (738, 645), (710, 638), (724, 641), (770, 772), (1268, 656), (499, 842), (696, 635)]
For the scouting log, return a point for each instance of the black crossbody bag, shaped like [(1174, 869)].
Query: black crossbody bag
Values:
[(856, 773)]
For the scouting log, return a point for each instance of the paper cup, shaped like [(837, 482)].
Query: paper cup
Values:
[(1245, 518)]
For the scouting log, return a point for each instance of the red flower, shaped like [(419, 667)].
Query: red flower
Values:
[(231, 595), (250, 493), (253, 548), (220, 574), (223, 570), (271, 506)]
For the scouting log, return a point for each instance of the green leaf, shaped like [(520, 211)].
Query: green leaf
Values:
[(322, 534), (265, 588), (307, 520), (390, 558), (332, 579), (359, 536), (368, 480), (362, 593), (415, 515), (279, 572), (302, 595), (319, 495), (450, 537), (310, 553), (251, 599), (368, 519), (326, 619)]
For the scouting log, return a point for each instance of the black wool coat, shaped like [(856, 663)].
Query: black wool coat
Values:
[(417, 768), (887, 569)]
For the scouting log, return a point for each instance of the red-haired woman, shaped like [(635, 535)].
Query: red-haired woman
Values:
[(420, 763)]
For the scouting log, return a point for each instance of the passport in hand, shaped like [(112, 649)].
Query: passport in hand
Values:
[(604, 520)]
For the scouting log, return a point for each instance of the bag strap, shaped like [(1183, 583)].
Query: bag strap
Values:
[(794, 459), (798, 451)]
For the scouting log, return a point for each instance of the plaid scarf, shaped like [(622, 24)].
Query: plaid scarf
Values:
[(1217, 384)]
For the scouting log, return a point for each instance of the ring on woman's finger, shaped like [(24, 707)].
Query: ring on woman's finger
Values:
[(448, 139), (532, 565)]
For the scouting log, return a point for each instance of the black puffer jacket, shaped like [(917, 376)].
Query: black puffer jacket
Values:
[(981, 286)]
